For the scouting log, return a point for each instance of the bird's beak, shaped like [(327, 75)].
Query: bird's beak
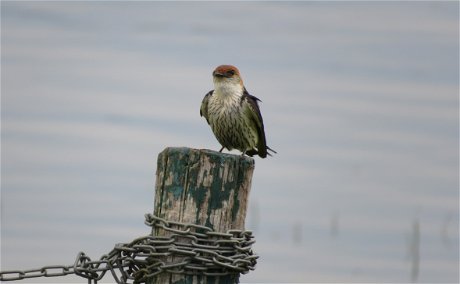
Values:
[(218, 74)]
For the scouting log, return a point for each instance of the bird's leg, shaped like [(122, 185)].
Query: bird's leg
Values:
[(220, 151)]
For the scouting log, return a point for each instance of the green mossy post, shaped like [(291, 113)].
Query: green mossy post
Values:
[(202, 187)]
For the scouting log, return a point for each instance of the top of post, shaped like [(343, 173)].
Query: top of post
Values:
[(214, 156)]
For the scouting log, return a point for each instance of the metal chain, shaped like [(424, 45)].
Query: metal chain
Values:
[(173, 247)]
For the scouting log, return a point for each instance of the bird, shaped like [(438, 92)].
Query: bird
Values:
[(234, 114)]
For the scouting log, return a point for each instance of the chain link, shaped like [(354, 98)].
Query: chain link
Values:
[(173, 247)]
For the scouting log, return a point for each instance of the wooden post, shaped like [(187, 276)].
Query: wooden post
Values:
[(202, 187)]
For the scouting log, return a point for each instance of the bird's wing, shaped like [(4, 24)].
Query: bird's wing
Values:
[(253, 112), (204, 106)]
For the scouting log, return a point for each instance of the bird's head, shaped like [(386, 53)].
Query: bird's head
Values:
[(227, 75)]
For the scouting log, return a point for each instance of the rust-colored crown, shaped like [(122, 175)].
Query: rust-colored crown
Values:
[(226, 71)]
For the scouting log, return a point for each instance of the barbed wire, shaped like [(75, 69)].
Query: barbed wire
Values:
[(173, 247)]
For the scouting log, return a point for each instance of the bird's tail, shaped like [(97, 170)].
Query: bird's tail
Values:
[(273, 151), (253, 152)]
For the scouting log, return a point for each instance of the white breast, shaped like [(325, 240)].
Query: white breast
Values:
[(226, 98)]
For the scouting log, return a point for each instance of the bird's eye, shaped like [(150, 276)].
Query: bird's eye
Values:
[(231, 72)]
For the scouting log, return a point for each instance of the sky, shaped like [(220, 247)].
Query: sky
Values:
[(359, 99)]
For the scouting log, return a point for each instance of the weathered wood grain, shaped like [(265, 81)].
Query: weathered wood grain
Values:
[(202, 187)]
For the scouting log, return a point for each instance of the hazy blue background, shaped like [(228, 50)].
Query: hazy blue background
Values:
[(360, 99)]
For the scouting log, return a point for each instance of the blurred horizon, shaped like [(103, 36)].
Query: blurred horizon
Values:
[(359, 99)]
